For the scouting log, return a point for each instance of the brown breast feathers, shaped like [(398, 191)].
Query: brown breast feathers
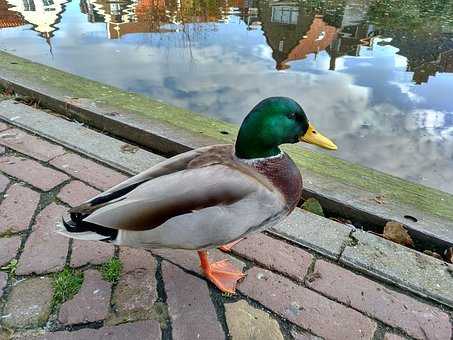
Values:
[(284, 175)]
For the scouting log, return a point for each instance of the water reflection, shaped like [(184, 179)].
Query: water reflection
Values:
[(123, 18), (375, 75), (292, 30), (9, 18), (43, 15)]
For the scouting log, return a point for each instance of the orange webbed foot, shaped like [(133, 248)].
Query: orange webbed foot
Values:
[(222, 273)]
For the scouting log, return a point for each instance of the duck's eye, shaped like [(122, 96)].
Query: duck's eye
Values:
[(292, 115)]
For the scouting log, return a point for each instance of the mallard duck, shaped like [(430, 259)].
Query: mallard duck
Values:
[(207, 197)]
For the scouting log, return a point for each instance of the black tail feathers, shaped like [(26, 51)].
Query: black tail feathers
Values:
[(75, 224)]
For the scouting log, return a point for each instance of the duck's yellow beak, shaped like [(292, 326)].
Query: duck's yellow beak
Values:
[(314, 137)]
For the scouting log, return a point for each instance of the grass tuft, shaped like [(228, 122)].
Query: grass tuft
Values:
[(10, 268), (66, 284), (111, 270)]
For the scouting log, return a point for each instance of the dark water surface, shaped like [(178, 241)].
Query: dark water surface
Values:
[(376, 76)]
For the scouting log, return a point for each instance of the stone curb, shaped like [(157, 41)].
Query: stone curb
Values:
[(77, 137), (404, 267)]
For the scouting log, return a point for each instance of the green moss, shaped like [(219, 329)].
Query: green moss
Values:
[(394, 189), (159, 312), (66, 284), (111, 270), (312, 205)]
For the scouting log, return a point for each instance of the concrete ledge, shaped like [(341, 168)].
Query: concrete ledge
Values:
[(75, 136), (404, 267), (342, 187), (320, 234)]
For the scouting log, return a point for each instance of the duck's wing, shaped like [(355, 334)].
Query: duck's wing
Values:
[(180, 193), (214, 200), (171, 165)]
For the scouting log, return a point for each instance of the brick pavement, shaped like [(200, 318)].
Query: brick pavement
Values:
[(289, 292)]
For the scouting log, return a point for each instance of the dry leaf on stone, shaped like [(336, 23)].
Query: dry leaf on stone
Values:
[(379, 199), (127, 148), (396, 232), (449, 254)]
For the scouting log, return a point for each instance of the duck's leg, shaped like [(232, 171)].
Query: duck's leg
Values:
[(227, 247), (221, 273)]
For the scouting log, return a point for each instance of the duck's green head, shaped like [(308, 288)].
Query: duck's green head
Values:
[(275, 121)]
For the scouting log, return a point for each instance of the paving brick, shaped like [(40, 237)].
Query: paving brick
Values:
[(88, 171), (306, 308), (417, 319), (142, 330), (188, 259), (3, 282), (190, 307), (30, 145), (285, 258), (45, 250), (91, 303), (29, 303), (17, 209), (133, 258), (314, 232), (79, 137), (135, 292), (390, 336), (32, 172), (246, 322), (8, 249), (90, 252), (76, 192), (4, 181), (405, 267)]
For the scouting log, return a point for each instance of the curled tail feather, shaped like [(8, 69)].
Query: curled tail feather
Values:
[(75, 227)]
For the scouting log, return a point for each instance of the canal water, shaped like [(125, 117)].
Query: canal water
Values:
[(375, 76)]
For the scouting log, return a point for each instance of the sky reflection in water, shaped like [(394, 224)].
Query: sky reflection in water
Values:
[(376, 81)]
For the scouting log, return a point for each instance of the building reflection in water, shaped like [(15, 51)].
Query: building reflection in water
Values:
[(292, 29), (127, 17), (295, 31), (151, 16), (8, 17), (43, 15)]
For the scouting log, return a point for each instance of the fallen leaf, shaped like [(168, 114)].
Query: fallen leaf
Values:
[(127, 148), (449, 254), (433, 254), (379, 199), (312, 205), (396, 232)]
